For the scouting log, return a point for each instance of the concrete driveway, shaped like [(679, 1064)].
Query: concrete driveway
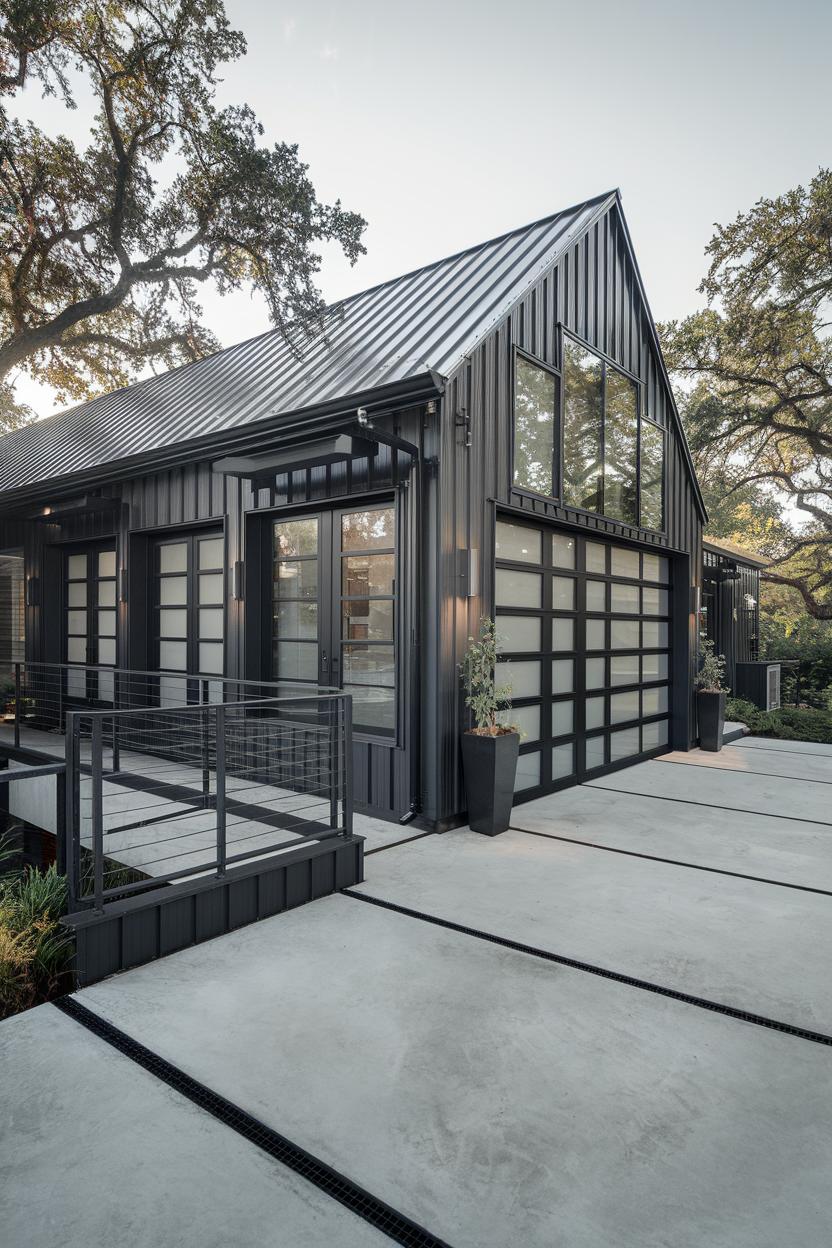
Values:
[(611, 1026)]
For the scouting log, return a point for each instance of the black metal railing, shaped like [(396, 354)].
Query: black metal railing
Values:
[(162, 794)]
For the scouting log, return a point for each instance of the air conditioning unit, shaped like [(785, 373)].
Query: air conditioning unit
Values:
[(758, 683)]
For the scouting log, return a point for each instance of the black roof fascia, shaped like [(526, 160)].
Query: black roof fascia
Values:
[(242, 439)]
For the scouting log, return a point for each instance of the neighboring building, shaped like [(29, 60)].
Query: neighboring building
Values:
[(492, 434), (730, 617)]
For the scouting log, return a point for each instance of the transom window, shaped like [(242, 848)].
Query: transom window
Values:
[(607, 457)]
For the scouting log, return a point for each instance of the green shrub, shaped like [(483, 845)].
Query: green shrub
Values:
[(35, 951), (790, 723)]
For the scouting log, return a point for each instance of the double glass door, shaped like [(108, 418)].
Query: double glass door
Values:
[(89, 631), (187, 624), (334, 608)]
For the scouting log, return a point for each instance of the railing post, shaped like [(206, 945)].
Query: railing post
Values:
[(16, 705), (97, 812), (206, 742), (334, 761), (61, 822), (347, 764), (220, 803), (72, 851), (116, 745)]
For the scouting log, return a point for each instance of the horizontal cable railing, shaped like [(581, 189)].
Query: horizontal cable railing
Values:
[(160, 794)]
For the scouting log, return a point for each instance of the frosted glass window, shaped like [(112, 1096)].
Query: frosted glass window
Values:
[(518, 632), (528, 772), (624, 635), (594, 753), (77, 594), (76, 683), (655, 601), (518, 543), (106, 687), (173, 623), (596, 596), (173, 591), (106, 563), (655, 568), (563, 593), (172, 691), (563, 676), (106, 623), (106, 650), (623, 706), (563, 719), (654, 667), (655, 701), (173, 557), (595, 712), (624, 598), (76, 567), (623, 744), (596, 635), (210, 623), (654, 635), (76, 649), (210, 656), (625, 562), (624, 669), (76, 621), (173, 655), (522, 675), (563, 761), (106, 593), (296, 660), (563, 550), (212, 552), (211, 586), (596, 557), (526, 719), (563, 634), (654, 735), (518, 589), (596, 673)]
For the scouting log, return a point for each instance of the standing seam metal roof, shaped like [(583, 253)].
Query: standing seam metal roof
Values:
[(424, 322)]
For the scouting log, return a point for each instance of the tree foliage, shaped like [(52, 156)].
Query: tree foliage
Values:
[(104, 247), (756, 369)]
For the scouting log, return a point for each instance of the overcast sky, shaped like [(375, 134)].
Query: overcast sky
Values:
[(447, 123)]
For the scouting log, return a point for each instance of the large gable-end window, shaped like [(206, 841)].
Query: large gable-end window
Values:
[(583, 401), (652, 475), (620, 447), (534, 427)]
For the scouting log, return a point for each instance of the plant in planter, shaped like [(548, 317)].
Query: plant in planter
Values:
[(711, 692), (489, 750)]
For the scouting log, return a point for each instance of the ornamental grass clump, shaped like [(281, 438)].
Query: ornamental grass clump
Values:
[(35, 951), (711, 676), (484, 697)]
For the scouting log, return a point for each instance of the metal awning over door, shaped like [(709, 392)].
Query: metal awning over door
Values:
[(585, 628)]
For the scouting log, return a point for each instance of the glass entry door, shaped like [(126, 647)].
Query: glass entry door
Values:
[(90, 622), (333, 600), (187, 612)]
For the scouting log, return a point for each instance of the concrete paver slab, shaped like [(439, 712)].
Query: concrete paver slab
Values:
[(792, 765), (766, 795), (743, 944), (495, 1098), (779, 849), (97, 1153), (815, 748)]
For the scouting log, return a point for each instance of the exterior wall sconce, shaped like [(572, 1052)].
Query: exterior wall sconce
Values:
[(122, 585), (468, 573), (237, 580), (32, 591)]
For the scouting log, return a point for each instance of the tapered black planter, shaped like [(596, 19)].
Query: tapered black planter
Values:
[(711, 711), (489, 765)]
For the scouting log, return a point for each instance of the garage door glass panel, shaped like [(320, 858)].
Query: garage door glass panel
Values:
[(625, 562), (624, 634), (526, 719), (596, 557), (519, 589), (623, 744), (624, 706), (624, 598), (596, 670), (518, 543), (563, 719), (523, 676), (624, 669), (563, 551), (655, 701), (654, 735), (596, 595), (563, 593), (563, 634), (595, 753), (655, 568), (528, 772), (596, 635), (654, 601), (518, 632), (563, 675), (654, 667), (654, 635), (594, 711), (563, 761)]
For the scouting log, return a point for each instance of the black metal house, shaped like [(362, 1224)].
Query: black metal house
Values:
[(492, 435), (730, 618)]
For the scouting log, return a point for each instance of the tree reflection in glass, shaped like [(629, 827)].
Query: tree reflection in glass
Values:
[(582, 408), (534, 427), (620, 448)]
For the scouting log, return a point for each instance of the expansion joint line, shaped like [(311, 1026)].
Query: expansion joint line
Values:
[(395, 1225), (702, 1003)]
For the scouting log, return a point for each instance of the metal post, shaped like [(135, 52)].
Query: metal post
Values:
[(206, 752), (16, 705), (72, 811), (334, 762), (348, 765), (61, 821), (220, 747), (97, 812), (116, 746)]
